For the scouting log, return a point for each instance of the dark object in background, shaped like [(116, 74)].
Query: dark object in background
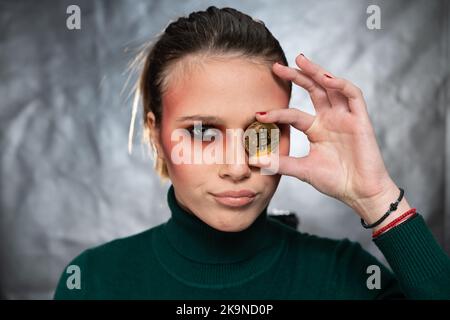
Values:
[(287, 217)]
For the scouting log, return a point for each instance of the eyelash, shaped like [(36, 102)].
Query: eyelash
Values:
[(205, 126)]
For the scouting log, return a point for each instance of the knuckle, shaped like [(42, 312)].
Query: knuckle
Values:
[(358, 91), (319, 93)]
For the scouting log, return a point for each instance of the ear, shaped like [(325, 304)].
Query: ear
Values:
[(154, 132)]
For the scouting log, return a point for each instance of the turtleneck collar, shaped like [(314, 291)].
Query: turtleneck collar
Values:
[(198, 241), (199, 255)]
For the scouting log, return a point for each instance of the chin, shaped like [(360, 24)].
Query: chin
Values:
[(232, 226)]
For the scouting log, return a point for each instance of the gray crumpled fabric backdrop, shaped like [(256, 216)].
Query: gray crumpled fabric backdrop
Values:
[(68, 182)]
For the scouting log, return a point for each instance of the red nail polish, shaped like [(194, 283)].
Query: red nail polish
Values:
[(261, 113), (328, 76)]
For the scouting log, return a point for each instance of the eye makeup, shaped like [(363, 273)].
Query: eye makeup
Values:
[(258, 138), (206, 130)]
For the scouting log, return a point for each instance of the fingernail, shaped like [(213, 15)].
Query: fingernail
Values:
[(261, 113), (328, 76), (303, 55)]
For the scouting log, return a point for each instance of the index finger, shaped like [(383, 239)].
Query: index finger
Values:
[(298, 119)]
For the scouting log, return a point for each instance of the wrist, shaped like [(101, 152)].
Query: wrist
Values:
[(402, 208), (398, 220), (373, 208)]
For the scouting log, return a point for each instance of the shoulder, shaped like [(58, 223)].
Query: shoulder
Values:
[(335, 253), (342, 265), (111, 260), (322, 245), (123, 248), (126, 253)]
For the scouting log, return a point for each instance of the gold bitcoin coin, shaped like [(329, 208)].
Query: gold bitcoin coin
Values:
[(260, 139)]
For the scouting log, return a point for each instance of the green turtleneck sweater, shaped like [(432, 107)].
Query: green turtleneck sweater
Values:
[(185, 258)]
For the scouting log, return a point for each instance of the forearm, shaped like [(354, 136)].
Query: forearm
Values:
[(419, 263)]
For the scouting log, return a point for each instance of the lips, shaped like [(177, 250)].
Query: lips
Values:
[(235, 198), (236, 194)]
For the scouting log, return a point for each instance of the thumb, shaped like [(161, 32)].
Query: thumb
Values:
[(298, 167)]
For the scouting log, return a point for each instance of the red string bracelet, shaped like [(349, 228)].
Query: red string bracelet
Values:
[(395, 222)]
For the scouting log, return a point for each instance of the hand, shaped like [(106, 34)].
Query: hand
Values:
[(344, 160)]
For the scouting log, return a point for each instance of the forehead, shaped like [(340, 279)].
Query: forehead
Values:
[(226, 87)]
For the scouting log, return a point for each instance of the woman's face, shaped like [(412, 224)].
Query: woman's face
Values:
[(230, 91)]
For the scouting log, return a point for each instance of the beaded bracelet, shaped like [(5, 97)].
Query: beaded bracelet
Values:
[(405, 216)]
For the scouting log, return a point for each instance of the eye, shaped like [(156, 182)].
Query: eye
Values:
[(203, 133)]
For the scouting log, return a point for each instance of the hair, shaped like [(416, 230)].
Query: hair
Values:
[(213, 33)]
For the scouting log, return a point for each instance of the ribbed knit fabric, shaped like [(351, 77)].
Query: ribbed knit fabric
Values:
[(210, 258), (420, 264), (185, 258)]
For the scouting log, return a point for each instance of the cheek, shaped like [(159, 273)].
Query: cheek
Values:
[(177, 170), (193, 172)]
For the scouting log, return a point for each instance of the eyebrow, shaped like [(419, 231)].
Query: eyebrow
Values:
[(209, 119)]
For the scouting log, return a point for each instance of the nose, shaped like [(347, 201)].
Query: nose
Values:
[(235, 171), (236, 165)]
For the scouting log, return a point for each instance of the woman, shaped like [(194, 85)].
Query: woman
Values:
[(219, 67)]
